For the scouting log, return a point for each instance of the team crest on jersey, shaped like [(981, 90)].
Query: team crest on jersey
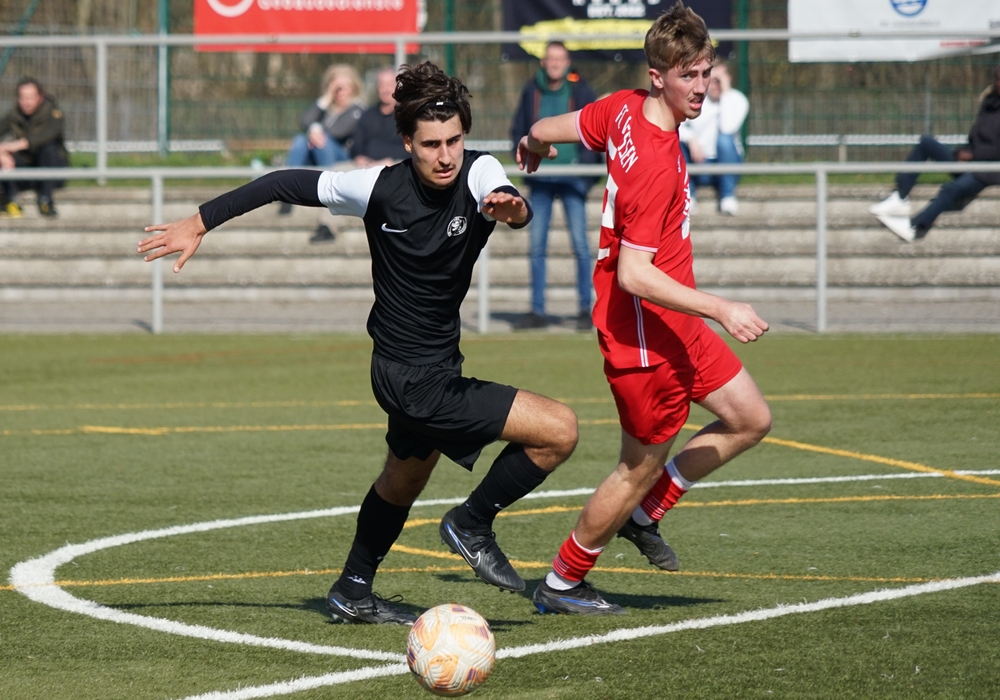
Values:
[(457, 226)]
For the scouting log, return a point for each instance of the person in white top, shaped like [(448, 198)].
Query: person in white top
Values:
[(714, 137)]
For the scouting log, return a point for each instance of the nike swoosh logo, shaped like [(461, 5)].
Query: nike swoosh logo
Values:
[(350, 611), (466, 554), (394, 230)]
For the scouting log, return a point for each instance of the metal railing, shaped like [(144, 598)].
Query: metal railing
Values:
[(820, 170), (101, 44)]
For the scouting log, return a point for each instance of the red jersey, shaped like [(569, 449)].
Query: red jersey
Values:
[(646, 207)]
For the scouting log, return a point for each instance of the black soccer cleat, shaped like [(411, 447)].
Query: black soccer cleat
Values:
[(581, 600), (647, 539), (373, 610), (481, 552)]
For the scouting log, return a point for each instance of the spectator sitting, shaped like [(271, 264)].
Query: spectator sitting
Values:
[(556, 90), (984, 145), (375, 142), (31, 136), (714, 137), (329, 124)]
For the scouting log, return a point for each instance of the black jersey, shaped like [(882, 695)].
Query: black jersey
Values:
[(424, 242)]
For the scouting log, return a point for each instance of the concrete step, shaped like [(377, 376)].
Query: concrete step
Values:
[(342, 272), (351, 243), (771, 243), (760, 206)]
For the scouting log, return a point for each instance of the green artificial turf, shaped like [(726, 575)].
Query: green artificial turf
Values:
[(102, 436)]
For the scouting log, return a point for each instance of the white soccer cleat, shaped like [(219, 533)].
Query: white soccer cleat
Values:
[(893, 205), (729, 206), (901, 226)]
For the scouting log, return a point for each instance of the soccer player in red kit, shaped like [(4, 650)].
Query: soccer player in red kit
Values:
[(659, 354)]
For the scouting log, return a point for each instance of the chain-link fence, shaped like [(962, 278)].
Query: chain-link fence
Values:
[(253, 100)]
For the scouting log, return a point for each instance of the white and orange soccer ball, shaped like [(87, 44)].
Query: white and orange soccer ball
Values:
[(451, 650)]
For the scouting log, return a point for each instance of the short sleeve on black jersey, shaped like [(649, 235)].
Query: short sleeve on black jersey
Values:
[(347, 193)]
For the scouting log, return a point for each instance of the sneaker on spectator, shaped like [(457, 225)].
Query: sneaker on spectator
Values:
[(532, 321), (11, 210), (584, 321), (729, 206), (323, 234), (901, 226), (893, 205), (285, 209), (47, 208)]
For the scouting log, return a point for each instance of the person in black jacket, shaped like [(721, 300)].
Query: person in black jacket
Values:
[(427, 218), (376, 141), (555, 90), (31, 136), (983, 145)]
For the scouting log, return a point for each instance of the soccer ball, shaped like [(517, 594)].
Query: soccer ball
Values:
[(450, 650)]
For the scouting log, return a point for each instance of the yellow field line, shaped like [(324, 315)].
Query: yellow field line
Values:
[(878, 397), (912, 466), (184, 429), (436, 554), (329, 404), (464, 567), (184, 405), (180, 430)]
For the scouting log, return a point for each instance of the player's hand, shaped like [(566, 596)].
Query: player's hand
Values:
[(742, 322), (529, 160), (317, 137), (505, 207), (182, 237), (725, 80), (697, 153)]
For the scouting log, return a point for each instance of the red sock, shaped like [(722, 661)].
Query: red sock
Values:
[(573, 561), (662, 497)]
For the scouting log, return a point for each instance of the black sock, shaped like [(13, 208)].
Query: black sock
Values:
[(512, 476), (379, 524)]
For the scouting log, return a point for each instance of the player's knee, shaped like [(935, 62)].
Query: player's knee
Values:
[(758, 424), (565, 433)]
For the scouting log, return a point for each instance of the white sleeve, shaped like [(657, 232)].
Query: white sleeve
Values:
[(347, 193), (486, 175), (733, 109)]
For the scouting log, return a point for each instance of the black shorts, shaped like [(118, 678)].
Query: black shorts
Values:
[(433, 407)]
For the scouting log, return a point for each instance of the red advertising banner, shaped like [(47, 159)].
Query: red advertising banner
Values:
[(308, 17)]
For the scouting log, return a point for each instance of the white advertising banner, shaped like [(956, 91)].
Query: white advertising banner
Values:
[(887, 16)]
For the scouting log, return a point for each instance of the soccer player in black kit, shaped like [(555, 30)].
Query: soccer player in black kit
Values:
[(426, 219)]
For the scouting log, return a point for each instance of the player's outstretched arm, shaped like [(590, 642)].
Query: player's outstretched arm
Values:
[(638, 276), (544, 133), (182, 237), (292, 186)]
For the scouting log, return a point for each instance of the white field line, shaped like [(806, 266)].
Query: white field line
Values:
[(620, 635), (787, 482), (35, 578), (304, 683)]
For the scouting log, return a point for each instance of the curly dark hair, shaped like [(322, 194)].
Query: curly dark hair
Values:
[(426, 93)]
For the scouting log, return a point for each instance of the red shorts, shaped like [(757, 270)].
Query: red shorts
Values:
[(654, 402)]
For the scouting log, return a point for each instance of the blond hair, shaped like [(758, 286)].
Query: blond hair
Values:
[(341, 70), (678, 38)]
